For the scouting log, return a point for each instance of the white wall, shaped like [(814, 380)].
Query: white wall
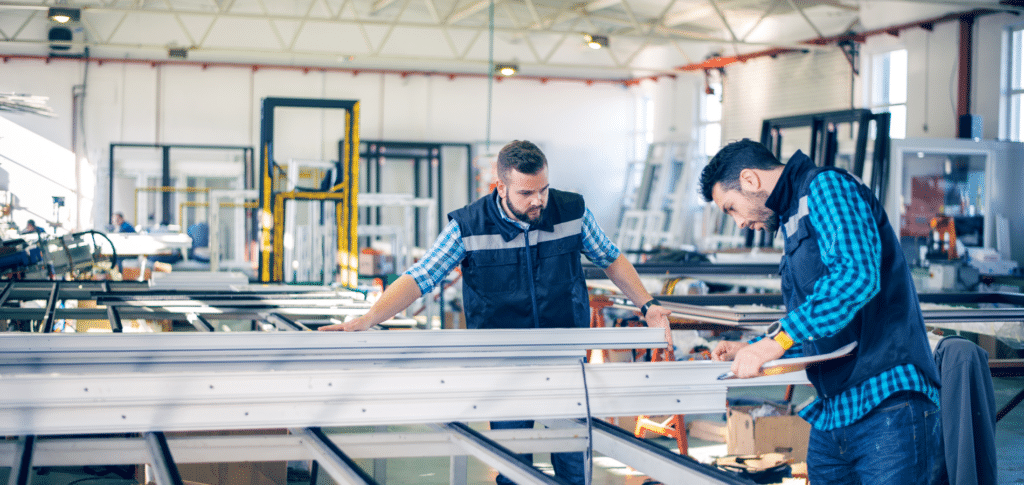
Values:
[(586, 131), (819, 81)]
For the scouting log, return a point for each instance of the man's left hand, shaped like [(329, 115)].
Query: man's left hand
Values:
[(749, 359), (657, 317)]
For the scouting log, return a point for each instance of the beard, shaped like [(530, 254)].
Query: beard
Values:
[(763, 214), (529, 215)]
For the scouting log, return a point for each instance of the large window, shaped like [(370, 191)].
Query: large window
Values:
[(889, 89), (709, 126), (1013, 86)]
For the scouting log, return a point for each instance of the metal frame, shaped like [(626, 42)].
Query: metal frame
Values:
[(155, 384), (824, 144), (248, 176), (418, 153), (345, 194)]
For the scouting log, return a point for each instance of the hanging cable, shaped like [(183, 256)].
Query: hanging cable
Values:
[(589, 456), (490, 76)]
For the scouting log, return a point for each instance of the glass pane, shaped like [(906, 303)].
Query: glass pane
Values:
[(1016, 54), (1016, 125), (898, 121), (713, 104), (880, 80), (940, 184), (712, 138), (898, 77)]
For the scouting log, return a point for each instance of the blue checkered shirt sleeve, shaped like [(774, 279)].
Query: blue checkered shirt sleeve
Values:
[(446, 253), (597, 247), (851, 250)]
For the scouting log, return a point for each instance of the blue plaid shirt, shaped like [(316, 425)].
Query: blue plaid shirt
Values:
[(448, 251), (852, 280)]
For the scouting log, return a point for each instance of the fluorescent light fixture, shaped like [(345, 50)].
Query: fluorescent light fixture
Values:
[(63, 15), (596, 41), (506, 69), (177, 52)]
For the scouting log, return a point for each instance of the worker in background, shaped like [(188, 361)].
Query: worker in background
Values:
[(121, 225), (844, 279), (31, 228), (519, 249)]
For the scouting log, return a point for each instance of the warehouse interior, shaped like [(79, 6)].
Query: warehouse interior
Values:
[(189, 190)]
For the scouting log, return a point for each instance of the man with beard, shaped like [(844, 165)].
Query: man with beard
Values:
[(519, 249), (844, 279)]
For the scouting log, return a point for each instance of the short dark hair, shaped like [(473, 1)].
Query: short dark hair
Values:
[(31, 221), (726, 165), (522, 156)]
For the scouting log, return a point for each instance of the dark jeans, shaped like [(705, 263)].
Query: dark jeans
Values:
[(898, 442), (568, 466)]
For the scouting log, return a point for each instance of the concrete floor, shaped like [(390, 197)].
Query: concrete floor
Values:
[(431, 471)]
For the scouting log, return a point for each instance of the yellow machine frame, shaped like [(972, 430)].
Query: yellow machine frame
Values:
[(345, 194)]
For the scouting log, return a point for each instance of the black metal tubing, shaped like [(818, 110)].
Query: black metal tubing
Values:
[(165, 458), (114, 316), (823, 134), (247, 153), (6, 293), (25, 460), (51, 305), (752, 269), (284, 323), (320, 435), (683, 460), (201, 323), (494, 447)]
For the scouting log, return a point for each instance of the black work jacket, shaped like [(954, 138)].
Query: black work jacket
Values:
[(889, 329), (524, 278)]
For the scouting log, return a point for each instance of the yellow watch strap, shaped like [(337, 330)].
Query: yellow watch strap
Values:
[(783, 339)]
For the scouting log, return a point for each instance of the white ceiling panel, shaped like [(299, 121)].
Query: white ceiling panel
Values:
[(544, 36)]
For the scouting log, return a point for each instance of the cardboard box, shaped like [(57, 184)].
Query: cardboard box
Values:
[(787, 434)]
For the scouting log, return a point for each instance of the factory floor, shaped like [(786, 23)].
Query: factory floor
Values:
[(429, 471)]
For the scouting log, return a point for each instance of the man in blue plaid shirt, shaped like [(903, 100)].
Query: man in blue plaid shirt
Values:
[(519, 250), (844, 279)]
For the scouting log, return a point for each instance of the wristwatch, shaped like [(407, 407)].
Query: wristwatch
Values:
[(776, 333), (653, 301)]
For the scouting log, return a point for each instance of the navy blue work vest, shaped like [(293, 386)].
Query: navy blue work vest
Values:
[(889, 329), (518, 278)]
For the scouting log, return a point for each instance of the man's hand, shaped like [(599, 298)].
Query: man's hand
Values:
[(355, 325), (657, 317), (749, 359), (726, 350)]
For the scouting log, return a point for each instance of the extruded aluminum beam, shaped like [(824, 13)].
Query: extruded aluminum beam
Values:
[(38, 353), (209, 399), (92, 450)]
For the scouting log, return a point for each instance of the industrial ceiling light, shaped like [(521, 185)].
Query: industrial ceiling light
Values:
[(63, 15), (175, 52), (506, 69), (596, 41)]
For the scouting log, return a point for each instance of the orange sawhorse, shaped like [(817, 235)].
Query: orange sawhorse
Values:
[(675, 425)]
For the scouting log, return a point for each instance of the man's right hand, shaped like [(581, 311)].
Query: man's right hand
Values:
[(726, 350), (355, 325)]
